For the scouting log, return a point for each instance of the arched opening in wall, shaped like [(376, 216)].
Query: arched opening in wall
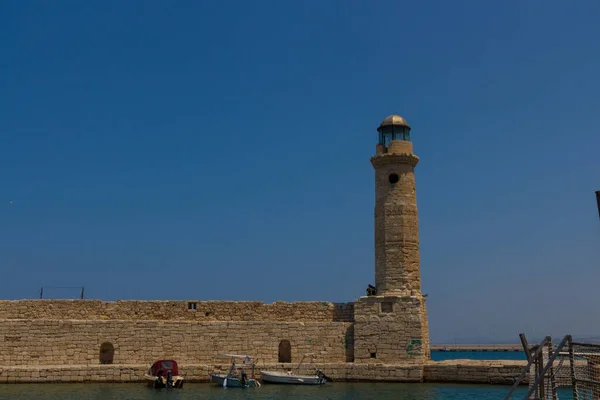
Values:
[(285, 351), (107, 353)]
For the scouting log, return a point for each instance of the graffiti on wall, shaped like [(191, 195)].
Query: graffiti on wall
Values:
[(414, 347)]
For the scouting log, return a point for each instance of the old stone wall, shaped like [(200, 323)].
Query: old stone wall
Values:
[(58, 342), (200, 372), (190, 310), (391, 330), (77, 332), (502, 372), (456, 371), (56, 332)]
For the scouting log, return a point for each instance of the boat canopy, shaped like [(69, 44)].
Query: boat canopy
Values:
[(164, 366), (245, 357)]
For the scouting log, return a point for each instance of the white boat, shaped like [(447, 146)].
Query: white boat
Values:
[(293, 379), (237, 377)]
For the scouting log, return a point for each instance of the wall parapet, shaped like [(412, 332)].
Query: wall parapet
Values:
[(188, 310)]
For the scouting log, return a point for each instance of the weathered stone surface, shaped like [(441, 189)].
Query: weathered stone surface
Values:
[(501, 372), (176, 310), (141, 332), (397, 260), (393, 327), (456, 371)]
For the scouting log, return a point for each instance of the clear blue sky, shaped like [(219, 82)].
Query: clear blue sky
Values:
[(220, 150)]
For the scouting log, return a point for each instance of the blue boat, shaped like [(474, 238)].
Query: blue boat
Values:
[(240, 375)]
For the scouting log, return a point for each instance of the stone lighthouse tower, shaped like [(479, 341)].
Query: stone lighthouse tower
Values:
[(392, 326), (397, 268)]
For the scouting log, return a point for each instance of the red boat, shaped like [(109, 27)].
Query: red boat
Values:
[(164, 374)]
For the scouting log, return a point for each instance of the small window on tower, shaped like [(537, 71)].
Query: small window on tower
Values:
[(387, 307), (394, 178)]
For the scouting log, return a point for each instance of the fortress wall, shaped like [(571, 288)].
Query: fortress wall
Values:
[(176, 310), (62, 342)]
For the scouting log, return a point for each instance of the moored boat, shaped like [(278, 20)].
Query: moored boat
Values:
[(287, 377), (237, 377), (164, 374)]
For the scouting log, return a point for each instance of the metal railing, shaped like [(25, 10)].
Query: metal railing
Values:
[(81, 296)]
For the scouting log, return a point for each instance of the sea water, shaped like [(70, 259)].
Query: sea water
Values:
[(205, 391), (477, 355), (331, 391)]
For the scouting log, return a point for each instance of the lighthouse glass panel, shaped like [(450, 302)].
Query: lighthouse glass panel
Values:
[(386, 136)]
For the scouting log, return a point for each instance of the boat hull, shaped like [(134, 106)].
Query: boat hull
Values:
[(232, 382), (151, 381), (289, 379)]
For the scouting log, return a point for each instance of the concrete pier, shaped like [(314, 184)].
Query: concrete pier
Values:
[(476, 347)]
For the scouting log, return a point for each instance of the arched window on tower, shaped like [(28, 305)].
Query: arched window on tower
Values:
[(107, 353), (285, 351)]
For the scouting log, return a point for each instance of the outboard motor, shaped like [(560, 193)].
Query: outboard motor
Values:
[(322, 376), (158, 383)]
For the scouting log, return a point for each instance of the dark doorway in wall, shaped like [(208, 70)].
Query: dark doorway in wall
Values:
[(349, 343), (107, 353), (285, 351)]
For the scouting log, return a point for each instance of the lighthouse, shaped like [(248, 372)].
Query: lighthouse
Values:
[(391, 325), (397, 262)]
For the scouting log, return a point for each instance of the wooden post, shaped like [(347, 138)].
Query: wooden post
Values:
[(598, 200), (572, 367), (552, 376), (525, 346), (541, 385)]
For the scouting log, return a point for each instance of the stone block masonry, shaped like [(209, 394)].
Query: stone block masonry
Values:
[(499, 372), (190, 310), (60, 342), (376, 338), (457, 371), (391, 329), (42, 332)]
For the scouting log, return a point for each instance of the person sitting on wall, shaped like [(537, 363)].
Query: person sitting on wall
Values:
[(371, 290)]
